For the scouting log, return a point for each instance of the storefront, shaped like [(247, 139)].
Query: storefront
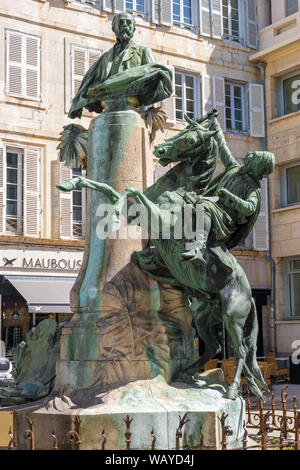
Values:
[(34, 285)]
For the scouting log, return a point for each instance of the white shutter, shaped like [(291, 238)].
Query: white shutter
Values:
[(166, 12), (219, 99), (32, 67), (217, 18), (159, 171), (207, 93), (14, 63), (79, 57), (107, 5), (256, 110), (120, 6), (65, 204), (93, 56), (261, 227), (32, 179), (23, 65), (155, 11), (2, 189), (251, 24), (204, 17), (170, 103)]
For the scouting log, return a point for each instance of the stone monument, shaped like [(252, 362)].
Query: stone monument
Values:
[(129, 348)]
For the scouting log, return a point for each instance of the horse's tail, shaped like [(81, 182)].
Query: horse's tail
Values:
[(251, 369)]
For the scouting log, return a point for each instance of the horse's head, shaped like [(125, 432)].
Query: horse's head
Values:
[(185, 144)]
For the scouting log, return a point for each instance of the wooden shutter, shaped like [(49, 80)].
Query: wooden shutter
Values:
[(166, 12), (204, 17), (2, 189), (107, 5), (291, 6), (256, 110), (155, 11), (219, 99), (251, 24), (32, 179), (217, 18), (170, 103), (261, 227), (93, 56), (65, 204), (207, 93), (14, 63)]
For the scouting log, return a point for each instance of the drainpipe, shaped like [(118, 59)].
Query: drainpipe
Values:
[(262, 69)]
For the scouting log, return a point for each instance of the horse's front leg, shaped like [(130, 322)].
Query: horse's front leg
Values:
[(152, 210)]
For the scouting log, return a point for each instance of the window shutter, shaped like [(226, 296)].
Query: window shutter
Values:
[(120, 6), (155, 9), (219, 99), (14, 63), (65, 204), (251, 24), (166, 12), (32, 74), (207, 94), (291, 6), (159, 171), (204, 17), (170, 103), (2, 189), (78, 68), (93, 56), (217, 18), (256, 109), (32, 178), (107, 5), (261, 227)]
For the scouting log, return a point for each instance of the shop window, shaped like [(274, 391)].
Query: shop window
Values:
[(293, 281), (187, 99), (23, 70), (290, 184), (235, 107), (291, 7)]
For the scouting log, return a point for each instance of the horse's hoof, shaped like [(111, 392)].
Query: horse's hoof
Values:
[(232, 393)]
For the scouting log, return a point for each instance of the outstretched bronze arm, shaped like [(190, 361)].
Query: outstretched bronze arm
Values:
[(234, 202)]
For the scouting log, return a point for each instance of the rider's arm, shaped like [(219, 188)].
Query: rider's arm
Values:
[(226, 156), (246, 207)]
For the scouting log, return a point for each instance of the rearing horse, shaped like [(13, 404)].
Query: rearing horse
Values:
[(221, 292)]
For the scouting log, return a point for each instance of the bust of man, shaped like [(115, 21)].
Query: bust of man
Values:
[(124, 55)]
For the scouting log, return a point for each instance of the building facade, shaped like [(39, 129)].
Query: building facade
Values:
[(46, 47), (279, 53)]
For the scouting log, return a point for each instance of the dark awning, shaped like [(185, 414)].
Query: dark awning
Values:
[(44, 294)]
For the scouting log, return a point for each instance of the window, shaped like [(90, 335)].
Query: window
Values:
[(187, 100), (14, 191), (82, 60), (288, 94), (231, 20), (294, 287), (290, 184), (182, 12), (23, 65), (78, 208), (135, 6), (235, 107), (291, 6)]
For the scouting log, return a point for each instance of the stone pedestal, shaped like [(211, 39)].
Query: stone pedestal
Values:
[(151, 404)]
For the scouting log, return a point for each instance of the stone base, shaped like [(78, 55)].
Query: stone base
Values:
[(151, 404)]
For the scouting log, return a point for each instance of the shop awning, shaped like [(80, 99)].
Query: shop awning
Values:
[(44, 294)]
